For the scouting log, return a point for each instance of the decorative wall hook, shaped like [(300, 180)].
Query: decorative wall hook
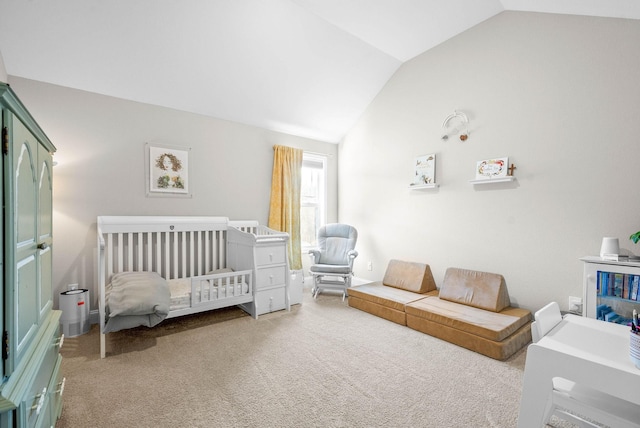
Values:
[(460, 128)]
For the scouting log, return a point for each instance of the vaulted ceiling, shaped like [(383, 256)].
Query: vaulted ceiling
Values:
[(303, 67)]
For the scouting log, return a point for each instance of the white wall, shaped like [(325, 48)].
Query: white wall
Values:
[(100, 171), (560, 96)]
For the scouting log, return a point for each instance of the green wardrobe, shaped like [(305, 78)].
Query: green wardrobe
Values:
[(32, 383)]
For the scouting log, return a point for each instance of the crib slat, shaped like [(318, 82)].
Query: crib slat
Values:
[(211, 287), (139, 259), (176, 252), (189, 272), (211, 246), (120, 257), (220, 240), (162, 266), (180, 270), (171, 262), (207, 253), (169, 256), (130, 252), (146, 259), (109, 253), (198, 256)]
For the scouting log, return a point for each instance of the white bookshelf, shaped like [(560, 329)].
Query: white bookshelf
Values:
[(592, 266)]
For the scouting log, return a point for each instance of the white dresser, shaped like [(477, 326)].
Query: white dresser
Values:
[(265, 252)]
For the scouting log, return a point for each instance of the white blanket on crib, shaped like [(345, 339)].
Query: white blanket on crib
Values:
[(138, 293)]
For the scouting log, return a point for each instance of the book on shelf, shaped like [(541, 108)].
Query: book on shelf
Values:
[(617, 284), (622, 285)]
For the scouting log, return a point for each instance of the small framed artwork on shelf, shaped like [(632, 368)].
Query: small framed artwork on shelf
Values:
[(492, 168), (424, 172), (493, 171)]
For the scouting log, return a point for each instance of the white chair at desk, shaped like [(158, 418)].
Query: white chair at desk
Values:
[(574, 402)]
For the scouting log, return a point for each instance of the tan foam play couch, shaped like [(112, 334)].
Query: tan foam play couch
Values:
[(403, 283), (471, 309)]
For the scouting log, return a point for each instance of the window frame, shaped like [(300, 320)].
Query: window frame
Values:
[(323, 184)]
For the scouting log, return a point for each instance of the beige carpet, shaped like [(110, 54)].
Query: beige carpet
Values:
[(323, 364)]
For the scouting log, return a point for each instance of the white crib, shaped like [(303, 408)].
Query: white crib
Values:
[(189, 252)]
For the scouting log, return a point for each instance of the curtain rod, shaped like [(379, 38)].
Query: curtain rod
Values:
[(330, 155), (311, 153)]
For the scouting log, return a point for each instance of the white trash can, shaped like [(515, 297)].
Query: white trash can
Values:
[(74, 305)]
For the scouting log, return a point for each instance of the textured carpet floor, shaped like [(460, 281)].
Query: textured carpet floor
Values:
[(323, 364)]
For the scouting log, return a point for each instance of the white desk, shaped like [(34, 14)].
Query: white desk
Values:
[(585, 351)]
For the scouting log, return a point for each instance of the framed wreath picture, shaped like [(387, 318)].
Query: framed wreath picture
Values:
[(167, 170), (492, 168)]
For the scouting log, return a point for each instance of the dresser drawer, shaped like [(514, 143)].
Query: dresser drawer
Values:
[(270, 300), (35, 409), (56, 390), (269, 277), (270, 255), (52, 404)]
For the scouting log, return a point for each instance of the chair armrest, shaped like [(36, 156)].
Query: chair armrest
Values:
[(351, 256), (315, 256)]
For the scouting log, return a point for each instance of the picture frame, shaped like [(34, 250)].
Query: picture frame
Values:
[(424, 170), (167, 170), (488, 169)]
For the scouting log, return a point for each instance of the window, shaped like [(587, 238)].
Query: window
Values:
[(313, 199)]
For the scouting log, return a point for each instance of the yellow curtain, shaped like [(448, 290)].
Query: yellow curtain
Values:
[(284, 210)]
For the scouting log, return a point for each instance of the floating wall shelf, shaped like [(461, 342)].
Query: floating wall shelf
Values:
[(423, 186), (493, 180)]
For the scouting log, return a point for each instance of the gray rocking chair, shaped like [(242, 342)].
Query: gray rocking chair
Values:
[(332, 262)]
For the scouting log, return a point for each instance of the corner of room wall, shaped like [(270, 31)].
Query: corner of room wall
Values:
[(3, 71)]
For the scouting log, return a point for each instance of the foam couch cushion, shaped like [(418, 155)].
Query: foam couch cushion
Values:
[(378, 293), (403, 282), (479, 322), (498, 350), (383, 301), (473, 288), (415, 277)]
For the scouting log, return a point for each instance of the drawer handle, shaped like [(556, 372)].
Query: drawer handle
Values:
[(270, 257), (40, 397), (271, 279), (60, 389), (60, 341)]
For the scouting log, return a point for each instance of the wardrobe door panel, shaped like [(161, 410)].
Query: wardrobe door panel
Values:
[(27, 259), (44, 228)]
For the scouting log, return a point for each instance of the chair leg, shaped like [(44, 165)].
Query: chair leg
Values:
[(315, 289)]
